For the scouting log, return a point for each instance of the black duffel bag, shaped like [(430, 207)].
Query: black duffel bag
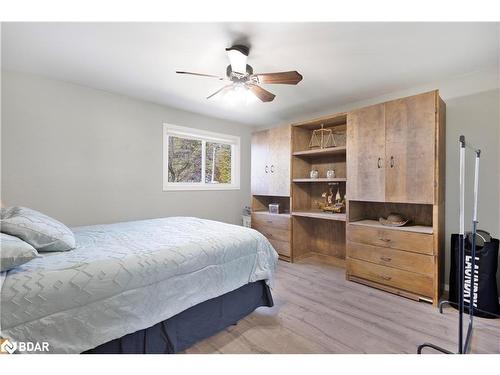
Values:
[(485, 293)]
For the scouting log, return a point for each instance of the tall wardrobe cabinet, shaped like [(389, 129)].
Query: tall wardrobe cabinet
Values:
[(271, 162), (396, 165), (270, 176)]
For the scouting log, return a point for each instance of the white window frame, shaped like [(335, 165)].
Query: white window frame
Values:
[(204, 136)]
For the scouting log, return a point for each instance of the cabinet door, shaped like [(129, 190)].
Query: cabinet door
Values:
[(410, 126), (260, 168), (365, 155), (279, 161)]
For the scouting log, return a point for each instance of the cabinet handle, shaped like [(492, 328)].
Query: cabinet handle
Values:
[(272, 168), (379, 165), (387, 278), (392, 161), (267, 169), (384, 239), (385, 259)]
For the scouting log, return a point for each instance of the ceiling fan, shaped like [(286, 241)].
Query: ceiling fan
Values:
[(242, 78)]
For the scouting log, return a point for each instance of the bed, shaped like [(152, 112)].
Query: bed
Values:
[(139, 287)]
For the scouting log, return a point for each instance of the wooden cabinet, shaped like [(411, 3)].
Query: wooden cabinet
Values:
[(410, 128), (366, 156), (270, 170), (408, 283), (395, 163), (279, 161), (278, 230), (392, 238), (392, 151), (404, 260), (259, 167), (270, 183), (398, 261)]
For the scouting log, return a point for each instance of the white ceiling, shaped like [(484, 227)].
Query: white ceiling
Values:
[(340, 62)]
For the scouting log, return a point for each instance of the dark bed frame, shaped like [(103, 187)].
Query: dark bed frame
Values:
[(192, 325)]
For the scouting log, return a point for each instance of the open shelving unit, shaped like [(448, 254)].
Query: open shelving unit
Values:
[(317, 233), (367, 214), (260, 204)]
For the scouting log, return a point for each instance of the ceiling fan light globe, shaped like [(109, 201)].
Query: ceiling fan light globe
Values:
[(238, 61), (232, 98), (238, 95)]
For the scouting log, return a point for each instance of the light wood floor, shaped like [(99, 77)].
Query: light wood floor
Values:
[(317, 311)]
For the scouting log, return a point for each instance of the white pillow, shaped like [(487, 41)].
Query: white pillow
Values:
[(14, 252), (39, 230)]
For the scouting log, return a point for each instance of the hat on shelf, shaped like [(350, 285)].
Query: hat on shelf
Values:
[(394, 220)]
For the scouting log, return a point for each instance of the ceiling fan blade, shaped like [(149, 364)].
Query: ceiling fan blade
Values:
[(286, 78), (262, 94), (202, 75), (238, 55), (224, 88)]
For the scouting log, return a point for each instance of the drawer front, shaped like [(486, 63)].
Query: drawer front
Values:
[(416, 242), (273, 233), (409, 281), (419, 263), (282, 247), (269, 220)]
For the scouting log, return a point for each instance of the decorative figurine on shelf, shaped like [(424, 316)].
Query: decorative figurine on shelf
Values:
[(339, 205), (330, 197), (329, 205), (322, 138)]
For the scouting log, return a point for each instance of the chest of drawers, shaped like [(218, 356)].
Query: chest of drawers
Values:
[(277, 229), (395, 260)]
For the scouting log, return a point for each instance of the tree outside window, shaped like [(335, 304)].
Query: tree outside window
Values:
[(195, 159)]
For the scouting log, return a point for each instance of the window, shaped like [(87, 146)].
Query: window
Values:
[(199, 160)]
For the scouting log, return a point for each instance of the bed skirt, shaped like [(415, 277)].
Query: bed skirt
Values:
[(192, 325)]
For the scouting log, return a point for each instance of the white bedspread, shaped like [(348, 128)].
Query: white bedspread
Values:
[(128, 276)]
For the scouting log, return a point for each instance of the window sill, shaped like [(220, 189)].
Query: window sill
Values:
[(200, 187)]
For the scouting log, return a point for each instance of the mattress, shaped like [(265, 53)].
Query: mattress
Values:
[(128, 276)]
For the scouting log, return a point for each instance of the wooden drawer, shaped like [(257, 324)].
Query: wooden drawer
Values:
[(273, 233), (419, 263), (265, 219), (410, 241), (396, 278), (282, 247)]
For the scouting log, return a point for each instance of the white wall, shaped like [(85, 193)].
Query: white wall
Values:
[(477, 117), (86, 156)]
